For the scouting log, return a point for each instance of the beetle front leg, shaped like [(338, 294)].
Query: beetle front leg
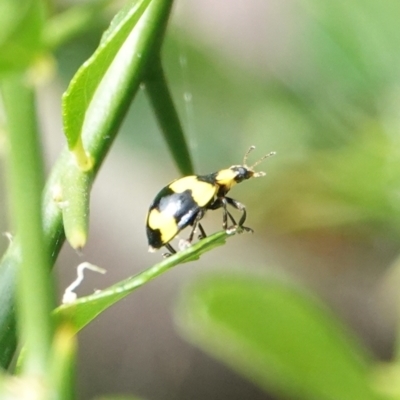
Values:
[(231, 218), (225, 213), (241, 207), (225, 202), (221, 203)]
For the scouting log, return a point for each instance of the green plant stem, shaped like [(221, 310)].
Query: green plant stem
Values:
[(62, 370), (34, 296), (97, 142), (167, 116)]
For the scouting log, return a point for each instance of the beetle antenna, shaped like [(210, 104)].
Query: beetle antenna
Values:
[(272, 153), (247, 154), (256, 174)]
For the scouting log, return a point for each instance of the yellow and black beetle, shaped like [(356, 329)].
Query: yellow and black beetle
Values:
[(185, 201)]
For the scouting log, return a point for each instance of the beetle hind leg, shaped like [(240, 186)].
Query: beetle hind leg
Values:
[(195, 224), (222, 203)]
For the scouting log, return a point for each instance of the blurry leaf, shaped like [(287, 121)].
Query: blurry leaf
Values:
[(77, 99), (21, 23), (81, 18), (281, 339), (85, 309), (355, 46), (356, 184)]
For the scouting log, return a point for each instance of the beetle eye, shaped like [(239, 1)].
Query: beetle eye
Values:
[(242, 174)]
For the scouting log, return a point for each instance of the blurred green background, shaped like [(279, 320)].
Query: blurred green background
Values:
[(316, 81)]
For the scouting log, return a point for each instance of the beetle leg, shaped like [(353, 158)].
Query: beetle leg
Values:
[(241, 207), (222, 203), (202, 232), (226, 213), (218, 203), (199, 216), (231, 217), (171, 250)]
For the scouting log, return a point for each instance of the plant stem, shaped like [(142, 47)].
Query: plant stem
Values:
[(34, 296), (97, 142), (167, 116)]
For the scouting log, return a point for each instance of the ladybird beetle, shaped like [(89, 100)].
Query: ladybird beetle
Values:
[(185, 201)]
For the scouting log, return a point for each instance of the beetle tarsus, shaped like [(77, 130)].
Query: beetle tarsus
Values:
[(239, 229)]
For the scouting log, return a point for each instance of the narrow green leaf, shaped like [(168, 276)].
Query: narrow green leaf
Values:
[(75, 198), (80, 93), (85, 309), (101, 127), (8, 272), (281, 339), (167, 116)]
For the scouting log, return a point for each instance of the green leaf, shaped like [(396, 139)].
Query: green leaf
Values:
[(75, 199), (281, 339), (78, 98), (163, 106), (356, 42), (85, 309), (100, 131), (21, 24)]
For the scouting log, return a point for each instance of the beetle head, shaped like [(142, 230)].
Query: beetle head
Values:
[(244, 172)]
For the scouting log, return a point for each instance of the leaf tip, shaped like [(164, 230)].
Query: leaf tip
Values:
[(77, 239)]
